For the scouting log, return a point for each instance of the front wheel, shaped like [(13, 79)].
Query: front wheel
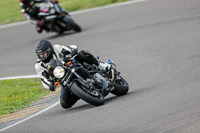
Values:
[(72, 24), (121, 87), (91, 96)]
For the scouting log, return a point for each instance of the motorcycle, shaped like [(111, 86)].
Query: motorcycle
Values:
[(88, 82), (56, 18)]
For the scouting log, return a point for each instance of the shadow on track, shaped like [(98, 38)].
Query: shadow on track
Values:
[(82, 106), (62, 35), (113, 98), (108, 100), (66, 33)]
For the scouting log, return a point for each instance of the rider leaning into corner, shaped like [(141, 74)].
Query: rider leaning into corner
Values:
[(30, 10), (46, 51)]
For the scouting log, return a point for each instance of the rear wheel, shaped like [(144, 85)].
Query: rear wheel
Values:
[(92, 96), (121, 87)]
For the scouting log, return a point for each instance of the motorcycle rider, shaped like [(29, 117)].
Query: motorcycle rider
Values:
[(46, 51), (30, 10)]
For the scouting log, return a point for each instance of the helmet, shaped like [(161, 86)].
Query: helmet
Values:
[(25, 1), (44, 50)]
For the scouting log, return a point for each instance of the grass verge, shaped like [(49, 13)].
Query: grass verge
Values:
[(11, 11), (19, 93)]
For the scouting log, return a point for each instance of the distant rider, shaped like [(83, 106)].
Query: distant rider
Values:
[(30, 10), (46, 51)]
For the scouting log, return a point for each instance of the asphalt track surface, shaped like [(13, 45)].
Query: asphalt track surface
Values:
[(156, 46)]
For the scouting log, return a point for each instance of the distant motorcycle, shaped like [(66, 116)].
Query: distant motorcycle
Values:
[(89, 82), (56, 18)]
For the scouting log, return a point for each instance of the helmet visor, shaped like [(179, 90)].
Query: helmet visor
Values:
[(43, 55)]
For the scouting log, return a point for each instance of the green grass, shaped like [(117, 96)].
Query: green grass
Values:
[(11, 11), (19, 93)]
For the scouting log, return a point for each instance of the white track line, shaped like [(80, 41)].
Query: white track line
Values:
[(78, 12), (13, 24), (31, 76), (107, 6), (31, 116), (20, 77)]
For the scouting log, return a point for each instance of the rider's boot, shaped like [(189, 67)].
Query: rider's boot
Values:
[(106, 66)]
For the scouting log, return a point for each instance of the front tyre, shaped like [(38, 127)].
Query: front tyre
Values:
[(91, 96), (72, 24), (121, 87)]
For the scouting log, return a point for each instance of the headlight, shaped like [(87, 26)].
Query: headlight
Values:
[(59, 72)]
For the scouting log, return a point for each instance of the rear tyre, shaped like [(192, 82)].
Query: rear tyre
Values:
[(90, 96), (121, 87)]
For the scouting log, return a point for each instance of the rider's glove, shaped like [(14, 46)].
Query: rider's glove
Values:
[(66, 59), (73, 52), (52, 87)]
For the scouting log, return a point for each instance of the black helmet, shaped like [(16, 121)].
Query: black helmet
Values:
[(44, 50), (25, 1)]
